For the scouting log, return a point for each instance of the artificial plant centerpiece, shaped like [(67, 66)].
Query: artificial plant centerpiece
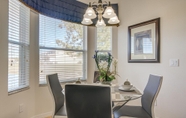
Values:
[(103, 63)]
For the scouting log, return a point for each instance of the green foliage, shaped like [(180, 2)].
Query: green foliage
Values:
[(103, 63), (73, 37)]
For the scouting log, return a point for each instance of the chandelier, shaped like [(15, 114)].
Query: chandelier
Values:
[(103, 10)]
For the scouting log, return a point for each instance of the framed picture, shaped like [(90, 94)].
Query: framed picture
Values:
[(144, 42)]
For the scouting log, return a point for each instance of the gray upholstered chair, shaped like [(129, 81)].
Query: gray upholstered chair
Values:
[(88, 101), (57, 95), (96, 77), (148, 99)]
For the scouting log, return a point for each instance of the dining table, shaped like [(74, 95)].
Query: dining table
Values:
[(120, 97)]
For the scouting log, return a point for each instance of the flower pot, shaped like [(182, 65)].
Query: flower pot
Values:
[(107, 83)]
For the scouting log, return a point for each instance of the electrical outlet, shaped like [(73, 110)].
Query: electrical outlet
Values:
[(21, 108)]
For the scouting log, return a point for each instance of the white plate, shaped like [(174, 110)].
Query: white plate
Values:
[(122, 89)]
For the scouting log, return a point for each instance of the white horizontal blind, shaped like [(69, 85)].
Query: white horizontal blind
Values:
[(18, 51), (61, 49)]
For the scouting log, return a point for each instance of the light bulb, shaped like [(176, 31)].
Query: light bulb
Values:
[(109, 12), (100, 23), (87, 21), (113, 20), (90, 13)]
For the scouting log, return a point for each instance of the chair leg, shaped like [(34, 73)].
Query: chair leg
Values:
[(119, 105)]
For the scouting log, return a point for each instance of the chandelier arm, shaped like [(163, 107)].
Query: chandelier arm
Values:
[(106, 2), (100, 8), (105, 7), (94, 3), (94, 7)]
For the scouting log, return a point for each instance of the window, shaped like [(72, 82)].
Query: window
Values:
[(104, 40), (62, 49), (18, 48)]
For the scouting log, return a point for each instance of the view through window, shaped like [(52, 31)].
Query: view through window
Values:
[(62, 49), (104, 41)]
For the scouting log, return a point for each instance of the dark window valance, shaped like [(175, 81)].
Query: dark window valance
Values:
[(68, 10)]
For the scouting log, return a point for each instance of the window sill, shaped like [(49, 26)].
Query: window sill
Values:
[(18, 90), (62, 83)]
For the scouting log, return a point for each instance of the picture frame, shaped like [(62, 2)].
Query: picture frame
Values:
[(144, 42)]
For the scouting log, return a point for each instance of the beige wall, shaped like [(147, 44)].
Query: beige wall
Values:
[(9, 104), (171, 100), (170, 103)]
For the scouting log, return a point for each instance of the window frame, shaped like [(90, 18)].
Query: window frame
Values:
[(25, 63), (84, 51)]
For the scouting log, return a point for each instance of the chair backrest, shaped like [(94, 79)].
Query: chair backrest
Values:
[(150, 93), (96, 76), (56, 91), (88, 101)]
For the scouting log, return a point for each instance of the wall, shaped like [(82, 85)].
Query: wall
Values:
[(170, 102), (9, 104)]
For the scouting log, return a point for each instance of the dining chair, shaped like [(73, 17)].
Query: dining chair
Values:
[(88, 101), (146, 110), (96, 80), (96, 77), (59, 110)]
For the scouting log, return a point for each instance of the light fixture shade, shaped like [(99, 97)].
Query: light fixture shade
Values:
[(109, 12), (114, 20), (90, 13), (100, 23), (87, 21)]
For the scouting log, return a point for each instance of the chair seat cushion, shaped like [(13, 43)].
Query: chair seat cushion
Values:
[(132, 111), (62, 111)]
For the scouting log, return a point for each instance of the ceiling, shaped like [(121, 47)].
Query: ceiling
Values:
[(87, 1)]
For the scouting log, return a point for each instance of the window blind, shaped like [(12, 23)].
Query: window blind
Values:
[(18, 49), (62, 49)]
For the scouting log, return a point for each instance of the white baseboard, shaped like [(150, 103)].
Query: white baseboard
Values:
[(44, 115)]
